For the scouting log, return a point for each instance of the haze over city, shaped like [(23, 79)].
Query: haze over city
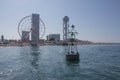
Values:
[(95, 20)]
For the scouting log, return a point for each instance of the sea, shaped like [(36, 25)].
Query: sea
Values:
[(97, 62)]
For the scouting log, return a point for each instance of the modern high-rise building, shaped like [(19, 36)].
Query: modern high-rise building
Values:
[(35, 29), (25, 36)]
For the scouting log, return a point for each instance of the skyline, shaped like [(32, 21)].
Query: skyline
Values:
[(95, 20)]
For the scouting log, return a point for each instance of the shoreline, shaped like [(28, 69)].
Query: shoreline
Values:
[(44, 44)]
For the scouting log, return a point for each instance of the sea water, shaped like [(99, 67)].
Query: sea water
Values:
[(97, 62)]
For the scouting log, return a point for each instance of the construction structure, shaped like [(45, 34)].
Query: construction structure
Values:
[(65, 28)]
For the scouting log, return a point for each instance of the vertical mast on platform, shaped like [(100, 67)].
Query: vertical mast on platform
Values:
[(72, 53)]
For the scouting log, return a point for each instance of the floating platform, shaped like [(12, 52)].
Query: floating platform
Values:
[(72, 56)]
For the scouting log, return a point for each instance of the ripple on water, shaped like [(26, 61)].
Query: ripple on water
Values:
[(97, 62)]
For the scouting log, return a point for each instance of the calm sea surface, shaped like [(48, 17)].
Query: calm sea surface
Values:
[(97, 62)]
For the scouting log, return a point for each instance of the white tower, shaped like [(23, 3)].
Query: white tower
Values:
[(65, 27)]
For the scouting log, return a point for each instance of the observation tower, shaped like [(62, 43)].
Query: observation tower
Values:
[(65, 28)]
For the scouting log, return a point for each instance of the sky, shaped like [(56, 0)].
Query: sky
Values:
[(94, 20)]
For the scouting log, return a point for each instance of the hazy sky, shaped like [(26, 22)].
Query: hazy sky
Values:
[(95, 20)]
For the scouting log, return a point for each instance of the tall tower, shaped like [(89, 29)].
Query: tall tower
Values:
[(65, 27), (35, 29)]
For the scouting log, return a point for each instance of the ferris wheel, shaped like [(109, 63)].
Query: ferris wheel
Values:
[(25, 24)]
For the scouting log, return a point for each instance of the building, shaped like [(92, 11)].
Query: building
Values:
[(35, 29), (25, 36), (2, 38), (53, 37)]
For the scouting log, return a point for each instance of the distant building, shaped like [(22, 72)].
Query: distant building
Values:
[(41, 41), (2, 38), (53, 37), (6, 41), (35, 29), (25, 36)]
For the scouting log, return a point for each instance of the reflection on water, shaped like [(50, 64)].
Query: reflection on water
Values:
[(35, 57), (74, 63)]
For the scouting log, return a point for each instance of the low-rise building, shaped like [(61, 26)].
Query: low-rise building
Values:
[(53, 37), (25, 36)]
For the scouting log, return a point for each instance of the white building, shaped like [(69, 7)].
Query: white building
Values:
[(53, 37)]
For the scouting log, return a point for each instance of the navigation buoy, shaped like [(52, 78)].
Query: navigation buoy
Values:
[(72, 54)]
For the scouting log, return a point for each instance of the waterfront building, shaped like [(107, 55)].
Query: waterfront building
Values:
[(25, 36), (2, 38), (53, 37), (35, 29)]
